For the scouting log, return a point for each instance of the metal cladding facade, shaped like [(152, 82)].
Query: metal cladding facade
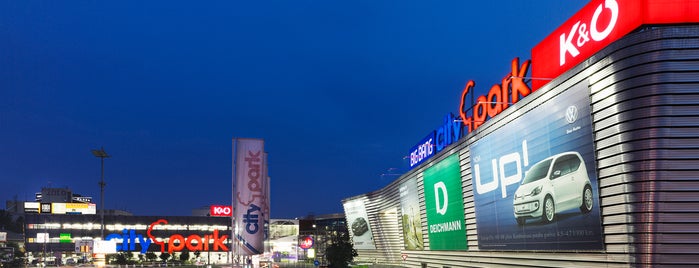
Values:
[(644, 104)]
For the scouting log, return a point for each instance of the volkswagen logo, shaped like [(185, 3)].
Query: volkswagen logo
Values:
[(571, 114)]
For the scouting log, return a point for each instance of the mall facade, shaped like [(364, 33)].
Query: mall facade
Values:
[(587, 155), (73, 238), (57, 237)]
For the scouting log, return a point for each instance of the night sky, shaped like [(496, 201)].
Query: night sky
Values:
[(339, 90)]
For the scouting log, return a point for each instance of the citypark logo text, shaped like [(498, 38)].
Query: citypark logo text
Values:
[(498, 99), (175, 243)]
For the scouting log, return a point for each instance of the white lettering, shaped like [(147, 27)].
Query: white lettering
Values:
[(482, 188), (439, 186), (446, 227), (500, 177), (512, 179), (567, 44), (596, 35)]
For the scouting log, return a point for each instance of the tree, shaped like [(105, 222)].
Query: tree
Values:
[(341, 252), (164, 256), (123, 257), (10, 223), (151, 256), (184, 256)]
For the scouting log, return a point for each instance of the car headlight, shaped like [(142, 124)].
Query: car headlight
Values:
[(536, 191)]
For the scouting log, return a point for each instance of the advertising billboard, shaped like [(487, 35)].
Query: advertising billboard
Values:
[(358, 222), (31, 207), (250, 195), (534, 179), (444, 203), (73, 208), (410, 215)]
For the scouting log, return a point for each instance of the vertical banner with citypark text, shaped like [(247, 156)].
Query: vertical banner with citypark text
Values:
[(534, 179), (444, 203), (249, 195), (358, 223), (410, 215)]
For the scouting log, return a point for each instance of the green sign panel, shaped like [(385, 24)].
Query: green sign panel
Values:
[(444, 203), (64, 238)]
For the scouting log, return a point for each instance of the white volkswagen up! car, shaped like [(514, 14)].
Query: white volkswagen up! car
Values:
[(553, 185)]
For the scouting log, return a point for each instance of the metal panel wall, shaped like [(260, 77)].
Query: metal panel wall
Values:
[(644, 92)]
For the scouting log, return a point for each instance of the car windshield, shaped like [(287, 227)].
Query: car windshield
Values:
[(537, 172)]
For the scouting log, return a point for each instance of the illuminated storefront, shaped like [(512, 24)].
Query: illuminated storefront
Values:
[(61, 236), (584, 156)]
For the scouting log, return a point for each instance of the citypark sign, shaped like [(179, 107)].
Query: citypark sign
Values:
[(509, 91), (597, 25), (128, 239), (594, 27)]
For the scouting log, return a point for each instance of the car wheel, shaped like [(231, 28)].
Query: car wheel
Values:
[(586, 200), (521, 221), (549, 210)]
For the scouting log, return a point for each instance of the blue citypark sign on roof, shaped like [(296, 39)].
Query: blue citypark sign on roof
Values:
[(449, 132)]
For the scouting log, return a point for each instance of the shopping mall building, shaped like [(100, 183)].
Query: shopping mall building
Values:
[(587, 155), (61, 227)]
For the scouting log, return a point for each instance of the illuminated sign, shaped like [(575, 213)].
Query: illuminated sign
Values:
[(42, 237), (423, 150), (64, 238), (250, 198), (449, 132), (45, 208), (83, 199), (221, 211), (597, 25), (31, 207), (73, 208), (444, 205), (176, 242), (500, 96), (306, 242)]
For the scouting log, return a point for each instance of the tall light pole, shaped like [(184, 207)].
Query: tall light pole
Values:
[(101, 154)]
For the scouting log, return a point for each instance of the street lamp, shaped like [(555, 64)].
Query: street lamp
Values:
[(102, 155)]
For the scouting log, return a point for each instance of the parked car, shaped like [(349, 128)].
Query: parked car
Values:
[(553, 185)]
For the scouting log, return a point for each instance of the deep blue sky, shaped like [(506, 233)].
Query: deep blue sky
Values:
[(339, 91)]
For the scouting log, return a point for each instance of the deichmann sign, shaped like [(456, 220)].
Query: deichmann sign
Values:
[(597, 25), (534, 179), (444, 204), (128, 239)]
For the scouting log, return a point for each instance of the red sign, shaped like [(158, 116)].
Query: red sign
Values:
[(500, 96), (178, 242), (221, 211), (597, 25), (306, 242)]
